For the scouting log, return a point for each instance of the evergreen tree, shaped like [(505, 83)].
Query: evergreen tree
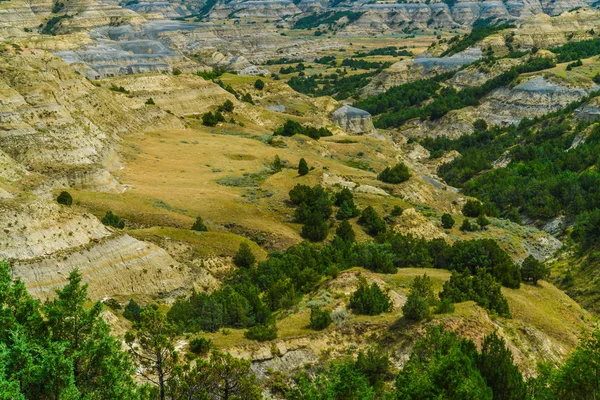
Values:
[(534, 270), (151, 344), (472, 208), (482, 221), (64, 198), (319, 319), (397, 174), (276, 165), (447, 221), (244, 257), (132, 311), (345, 232), (499, 371), (347, 210), (442, 366), (302, 167), (259, 84), (420, 299), (372, 221), (315, 227), (369, 300), (199, 225), (113, 220)]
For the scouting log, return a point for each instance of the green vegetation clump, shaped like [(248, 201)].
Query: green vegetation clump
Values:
[(200, 345), (397, 174), (259, 84), (302, 167), (373, 223), (261, 333), (480, 287), (472, 208), (199, 225), (227, 106), (420, 299), (534, 270), (64, 198), (212, 119), (319, 319), (244, 257), (447, 221), (113, 220), (291, 128), (477, 34), (326, 18), (369, 300)]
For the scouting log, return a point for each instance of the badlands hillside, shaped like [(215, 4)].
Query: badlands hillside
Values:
[(275, 198)]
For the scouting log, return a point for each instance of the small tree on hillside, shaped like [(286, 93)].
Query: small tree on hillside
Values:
[(199, 225), (244, 257), (151, 344), (482, 221), (447, 221), (397, 174), (315, 228), (302, 167), (345, 232), (64, 198), (534, 270), (227, 106), (259, 84), (319, 319), (113, 220), (472, 208), (372, 221), (420, 298), (369, 300)]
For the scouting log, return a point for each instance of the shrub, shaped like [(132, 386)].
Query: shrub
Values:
[(247, 98), (113, 220), (396, 174), (467, 226), (302, 167), (319, 319), (472, 208), (372, 221), (112, 303), (482, 221), (347, 210), (444, 307), (261, 333), (447, 221), (227, 106), (481, 288), (259, 84), (209, 119), (150, 102), (345, 232), (199, 225), (64, 198), (132, 311), (200, 345), (397, 211), (244, 257), (420, 298), (369, 300), (315, 227)]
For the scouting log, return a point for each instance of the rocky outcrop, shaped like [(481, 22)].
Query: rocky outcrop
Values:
[(273, 9), (421, 67), (353, 120), (532, 98), (116, 266)]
